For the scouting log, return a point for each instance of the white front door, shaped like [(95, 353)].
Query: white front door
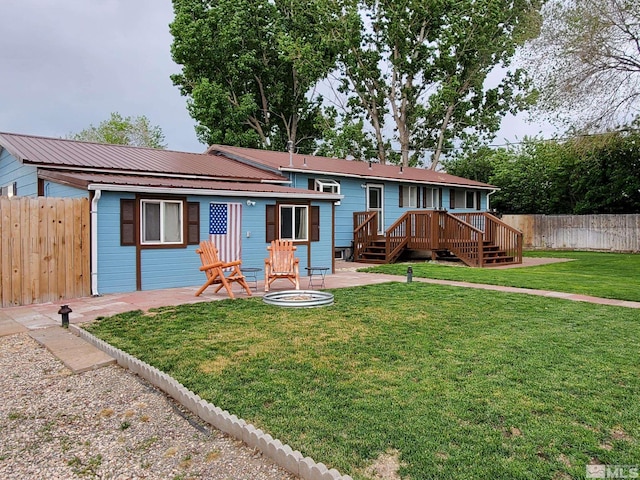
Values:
[(375, 203)]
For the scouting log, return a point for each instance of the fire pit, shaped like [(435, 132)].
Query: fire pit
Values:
[(298, 298)]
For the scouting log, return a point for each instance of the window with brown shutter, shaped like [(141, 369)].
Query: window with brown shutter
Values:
[(315, 224), (401, 196), (193, 223), (271, 233), (127, 222)]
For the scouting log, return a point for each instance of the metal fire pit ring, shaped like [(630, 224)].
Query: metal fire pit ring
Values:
[(298, 298)]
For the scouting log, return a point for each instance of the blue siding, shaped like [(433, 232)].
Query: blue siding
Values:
[(52, 189), (116, 264), (25, 176), (179, 267), (355, 200)]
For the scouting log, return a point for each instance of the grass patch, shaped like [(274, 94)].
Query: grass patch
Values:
[(608, 275), (461, 383)]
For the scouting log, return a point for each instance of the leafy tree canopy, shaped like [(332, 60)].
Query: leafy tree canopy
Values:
[(248, 67), (417, 71), (585, 175), (119, 130), (586, 63)]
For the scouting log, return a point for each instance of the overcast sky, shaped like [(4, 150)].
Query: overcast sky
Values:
[(67, 64)]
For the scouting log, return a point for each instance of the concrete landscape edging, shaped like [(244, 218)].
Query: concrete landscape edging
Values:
[(283, 455)]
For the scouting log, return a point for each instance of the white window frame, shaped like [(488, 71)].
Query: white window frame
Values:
[(162, 203), (380, 209), (474, 205), (327, 186), (294, 208), (410, 196), (432, 197), (8, 190)]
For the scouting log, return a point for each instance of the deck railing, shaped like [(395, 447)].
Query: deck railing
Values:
[(397, 237), (365, 231), (462, 239), (496, 232), (463, 234)]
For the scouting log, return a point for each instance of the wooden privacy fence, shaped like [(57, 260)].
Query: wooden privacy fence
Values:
[(44, 250), (615, 233)]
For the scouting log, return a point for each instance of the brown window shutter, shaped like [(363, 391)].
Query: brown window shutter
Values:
[(127, 222), (193, 223), (315, 224), (440, 198), (452, 198), (478, 199), (418, 196), (271, 223), (401, 191), (312, 184)]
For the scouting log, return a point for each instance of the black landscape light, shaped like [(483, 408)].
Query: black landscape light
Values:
[(409, 274), (65, 311)]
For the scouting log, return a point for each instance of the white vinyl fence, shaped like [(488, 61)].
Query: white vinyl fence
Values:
[(614, 233)]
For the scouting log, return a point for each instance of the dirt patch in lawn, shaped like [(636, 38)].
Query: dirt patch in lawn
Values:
[(385, 467)]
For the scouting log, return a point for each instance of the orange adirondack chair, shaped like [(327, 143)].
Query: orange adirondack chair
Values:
[(282, 263), (214, 269)]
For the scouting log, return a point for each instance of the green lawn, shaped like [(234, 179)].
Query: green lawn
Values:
[(463, 383), (610, 275)]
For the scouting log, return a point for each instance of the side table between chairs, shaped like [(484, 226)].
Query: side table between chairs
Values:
[(320, 274), (251, 275)]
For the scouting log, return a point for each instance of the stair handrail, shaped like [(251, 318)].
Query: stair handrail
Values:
[(463, 245), (508, 238), (496, 232), (364, 232), (397, 237)]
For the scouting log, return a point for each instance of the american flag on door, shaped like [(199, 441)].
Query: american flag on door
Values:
[(225, 223)]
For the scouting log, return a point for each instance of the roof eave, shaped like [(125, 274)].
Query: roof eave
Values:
[(386, 179), (213, 192)]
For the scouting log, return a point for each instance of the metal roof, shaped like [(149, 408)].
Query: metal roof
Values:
[(285, 162), (103, 181), (70, 154)]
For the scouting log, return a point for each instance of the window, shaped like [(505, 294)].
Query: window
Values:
[(471, 200), (430, 199), (274, 221), (8, 190), (327, 186), (161, 222), (467, 199), (410, 197), (418, 197), (294, 222), (142, 222)]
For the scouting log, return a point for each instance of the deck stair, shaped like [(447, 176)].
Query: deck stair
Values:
[(477, 239), (375, 252)]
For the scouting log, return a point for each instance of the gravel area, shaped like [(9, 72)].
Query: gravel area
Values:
[(108, 424)]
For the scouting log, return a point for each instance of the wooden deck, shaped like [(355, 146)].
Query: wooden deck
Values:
[(478, 239)]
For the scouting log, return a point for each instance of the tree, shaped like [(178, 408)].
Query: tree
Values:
[(584, 175), (422, 66), (118, 130), (586, 63), (248, 67)]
